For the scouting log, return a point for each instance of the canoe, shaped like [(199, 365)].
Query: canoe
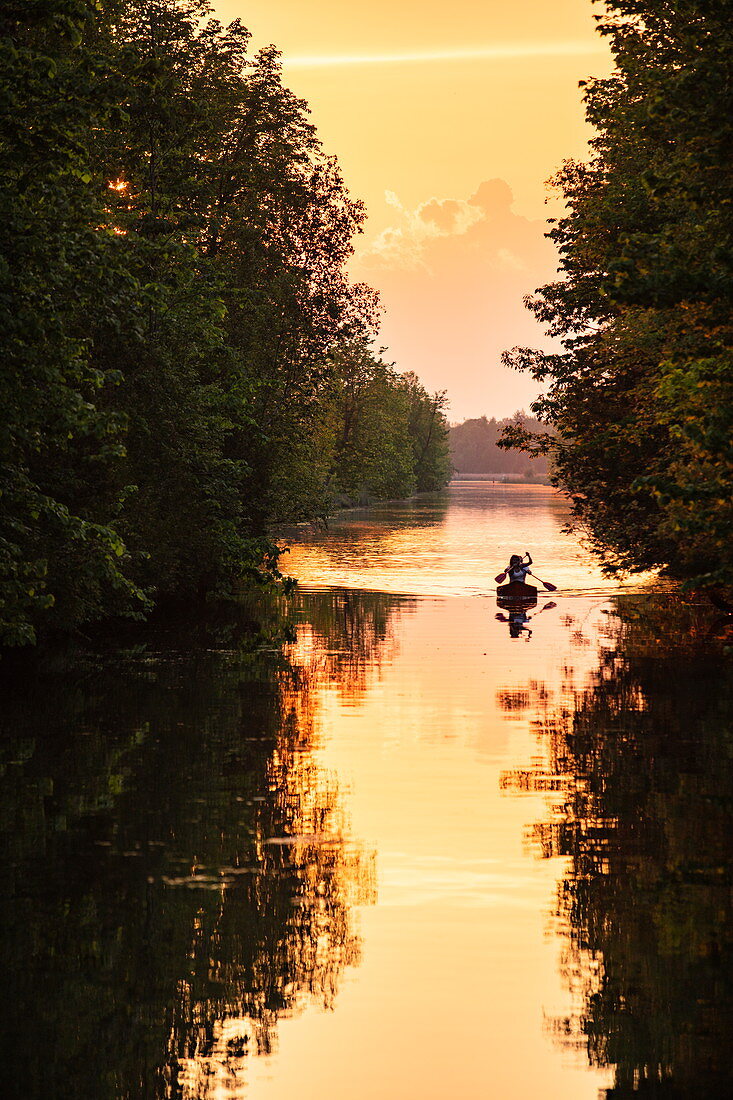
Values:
[(516, 590)]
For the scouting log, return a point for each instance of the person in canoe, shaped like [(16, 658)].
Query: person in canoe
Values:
[(518, 569)]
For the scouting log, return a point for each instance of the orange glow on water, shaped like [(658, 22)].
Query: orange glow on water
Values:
[(425, 713)]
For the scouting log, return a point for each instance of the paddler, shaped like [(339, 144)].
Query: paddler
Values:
[(518, 569)]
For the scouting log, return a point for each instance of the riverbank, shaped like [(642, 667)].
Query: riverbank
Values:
[(504, 479)]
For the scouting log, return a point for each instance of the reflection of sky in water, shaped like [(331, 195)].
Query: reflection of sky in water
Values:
[(457, 970), (311, 878), (453, 543)]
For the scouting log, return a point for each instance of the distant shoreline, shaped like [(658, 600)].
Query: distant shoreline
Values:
[(501, 479)]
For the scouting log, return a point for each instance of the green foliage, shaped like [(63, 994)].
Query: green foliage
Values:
[(641, 395), (241, 226), (176, 311), (389, 436), (428, 428), (56, 271)]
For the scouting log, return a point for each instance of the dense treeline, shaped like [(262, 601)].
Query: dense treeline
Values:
[(642, 393), (186, 363), (475, 449)]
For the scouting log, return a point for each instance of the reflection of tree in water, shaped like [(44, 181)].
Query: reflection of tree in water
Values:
[(179, 875), (646, 759), (346, 635)]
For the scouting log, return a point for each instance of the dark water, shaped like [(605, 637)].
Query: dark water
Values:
[(645, 756), (410, 856)]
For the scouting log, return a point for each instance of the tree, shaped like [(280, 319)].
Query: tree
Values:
[(243, 225), (428, 429), (61, 553), (389, 436), (177, 310), (641, 395)]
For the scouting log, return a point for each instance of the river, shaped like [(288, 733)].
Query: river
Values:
[(421, 852)]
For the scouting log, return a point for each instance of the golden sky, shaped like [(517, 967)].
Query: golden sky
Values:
[(447, 119)]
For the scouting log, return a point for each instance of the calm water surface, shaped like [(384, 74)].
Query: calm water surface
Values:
[(413, 856)]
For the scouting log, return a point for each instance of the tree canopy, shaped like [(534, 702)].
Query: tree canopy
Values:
[(181, 332), (641, 394)]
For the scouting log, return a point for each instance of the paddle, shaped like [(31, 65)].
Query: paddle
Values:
[(546, 584)]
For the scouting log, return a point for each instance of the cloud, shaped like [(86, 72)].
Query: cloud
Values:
[(493, 197), (509, 52), (425, 236), (406, 244), (453, 273), (443, 215)]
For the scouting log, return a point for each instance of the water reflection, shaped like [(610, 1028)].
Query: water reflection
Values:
[(445, 544), (345, 637), (183, 885), (179, 874), (517, 617), (641, 760)]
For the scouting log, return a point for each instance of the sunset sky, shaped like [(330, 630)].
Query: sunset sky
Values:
[(447, 120)]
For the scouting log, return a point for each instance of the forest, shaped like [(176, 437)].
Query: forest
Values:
[(187, 365), (475, 449), (641, 395)]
